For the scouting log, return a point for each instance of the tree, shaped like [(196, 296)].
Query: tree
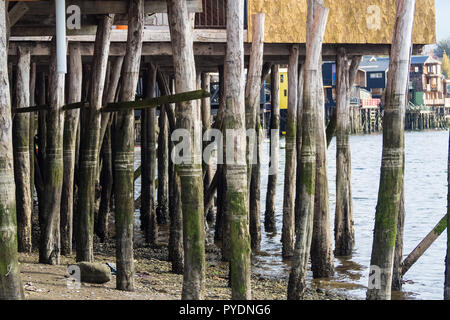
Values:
[(446, 65), (441, 47)]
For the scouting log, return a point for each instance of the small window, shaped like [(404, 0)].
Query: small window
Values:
[(285, 93), (376, 75), (282, 78)]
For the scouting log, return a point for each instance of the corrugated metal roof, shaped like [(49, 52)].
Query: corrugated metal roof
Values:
[(419, 59), (381, 64), (374, 64)]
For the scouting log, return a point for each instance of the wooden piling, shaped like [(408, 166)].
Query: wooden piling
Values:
[(236, 195), (322, 258), (288, 229), (252, 107), (269, 216), (148, 157), (89, 143), (163, 166), (206, 125), (124, 150), (10, 282), (188, 118), (21, 136), (71, 123), (392, 166), (344, 233), (176, 248), (317, 19)]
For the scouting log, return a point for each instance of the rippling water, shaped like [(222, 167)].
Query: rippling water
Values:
[(425, 205)]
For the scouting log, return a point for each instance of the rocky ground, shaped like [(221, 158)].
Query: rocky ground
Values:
[(153, 277)]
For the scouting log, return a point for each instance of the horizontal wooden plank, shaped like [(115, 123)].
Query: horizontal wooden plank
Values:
[(42, 48), (154, 102), (105, 7), (87, 34)]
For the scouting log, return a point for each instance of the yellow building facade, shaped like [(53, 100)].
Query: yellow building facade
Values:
[(349, 21)]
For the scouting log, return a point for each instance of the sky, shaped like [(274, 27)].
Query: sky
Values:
[(442, 19)]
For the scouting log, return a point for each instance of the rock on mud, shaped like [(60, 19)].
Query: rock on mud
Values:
[(97, 273)]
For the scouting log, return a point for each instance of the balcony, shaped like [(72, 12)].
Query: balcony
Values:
[(435, 102)]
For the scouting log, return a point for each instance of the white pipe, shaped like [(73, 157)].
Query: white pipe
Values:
[(61, 51)]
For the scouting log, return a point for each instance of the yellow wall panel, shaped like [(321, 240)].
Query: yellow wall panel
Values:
[(350, 21)]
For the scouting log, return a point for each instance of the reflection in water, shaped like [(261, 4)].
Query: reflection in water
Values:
[(425, 204)]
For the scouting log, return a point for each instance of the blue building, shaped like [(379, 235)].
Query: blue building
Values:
[(375, 71)]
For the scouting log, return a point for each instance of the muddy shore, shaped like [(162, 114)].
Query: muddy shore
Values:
[(153, 277)]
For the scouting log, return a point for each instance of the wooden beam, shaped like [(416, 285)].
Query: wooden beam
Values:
[(67, 107), (109, 7), (163, 48), (17, 12), (154, 102), (424, 245)]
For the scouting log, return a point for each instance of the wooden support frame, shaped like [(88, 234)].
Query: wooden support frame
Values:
[(109, 7), (120, 106)]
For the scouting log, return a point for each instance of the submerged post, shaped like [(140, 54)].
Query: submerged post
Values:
[(392, 165), (252, 106), (317, 20), (288, 229), (269, 216), (344, 233)]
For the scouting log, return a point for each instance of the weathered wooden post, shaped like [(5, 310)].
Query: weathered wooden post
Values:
[(322, 258), (49, 249), (32, 128), (252, 106), (317, 20), (298, 144), (176, 250), (89, 142), (269, 216), (71, 122), (148, 156), (21, 136), (41, 136), (206, 125), (220, 219), (236, 195), (288, 229), (447, 258), (106, 173), (343, 224), (392, 165), (10, 283), (190, 172), (124, 150), (163, 166)]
